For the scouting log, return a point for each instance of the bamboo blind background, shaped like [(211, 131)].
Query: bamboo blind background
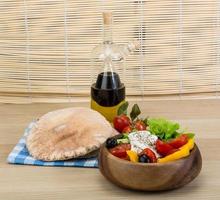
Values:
[(45, 46)]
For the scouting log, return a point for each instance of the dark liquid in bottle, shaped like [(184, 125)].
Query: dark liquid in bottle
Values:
[(108, 89)]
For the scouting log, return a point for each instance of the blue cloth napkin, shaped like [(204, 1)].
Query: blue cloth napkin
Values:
[(20, 155)]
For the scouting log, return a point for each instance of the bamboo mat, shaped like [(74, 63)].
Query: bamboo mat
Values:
[(45, 48)]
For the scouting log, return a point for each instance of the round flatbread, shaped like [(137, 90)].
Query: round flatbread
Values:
[(68, 133)]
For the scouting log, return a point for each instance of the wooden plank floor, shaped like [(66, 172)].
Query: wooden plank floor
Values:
[(31, 182)]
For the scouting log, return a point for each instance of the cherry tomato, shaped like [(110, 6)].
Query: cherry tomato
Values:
[(126, 158), (121, 153), (164, 148), (179, 141), (140, 125), (127, 129), (120, 122), (120, 150), (150, 154)]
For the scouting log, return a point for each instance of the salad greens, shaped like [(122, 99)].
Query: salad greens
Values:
[(163, 128), (135, 111), (190, 135), (123, 141), (123, 109)]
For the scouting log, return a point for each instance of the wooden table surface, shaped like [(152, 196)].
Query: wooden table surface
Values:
[(31, 182)]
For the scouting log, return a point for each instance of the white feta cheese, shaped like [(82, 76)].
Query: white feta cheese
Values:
[(140, 140)]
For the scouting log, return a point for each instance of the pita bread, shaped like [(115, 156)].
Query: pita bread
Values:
[(68, 133)]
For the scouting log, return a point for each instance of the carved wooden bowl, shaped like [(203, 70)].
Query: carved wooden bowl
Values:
[(150, 176)]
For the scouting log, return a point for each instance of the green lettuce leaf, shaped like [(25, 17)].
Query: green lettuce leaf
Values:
[(190, 135), (163, 128)]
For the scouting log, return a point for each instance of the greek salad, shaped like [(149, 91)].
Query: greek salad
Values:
[(148, 140)]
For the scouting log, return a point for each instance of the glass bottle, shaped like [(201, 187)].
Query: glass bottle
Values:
[(107, 59)]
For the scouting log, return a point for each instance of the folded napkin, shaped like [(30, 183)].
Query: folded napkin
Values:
[(20, 155)]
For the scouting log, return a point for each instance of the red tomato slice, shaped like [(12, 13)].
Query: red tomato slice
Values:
[(126, 158), (179, 141), (164, 148), (125, 146), (150, 154), (120, 150)]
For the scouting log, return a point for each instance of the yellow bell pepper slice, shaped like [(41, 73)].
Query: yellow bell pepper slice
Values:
[(133, 156), (183, 152), (191, 143)]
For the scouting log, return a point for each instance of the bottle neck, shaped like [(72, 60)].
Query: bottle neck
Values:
[(107, 33)]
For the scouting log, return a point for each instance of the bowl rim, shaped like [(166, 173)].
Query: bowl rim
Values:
[(150, 164)]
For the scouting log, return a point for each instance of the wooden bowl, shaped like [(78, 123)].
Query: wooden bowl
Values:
[(151, 176)]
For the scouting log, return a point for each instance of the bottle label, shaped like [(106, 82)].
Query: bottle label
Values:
[(108, 112)]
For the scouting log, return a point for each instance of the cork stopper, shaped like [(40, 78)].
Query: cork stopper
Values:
[(107, 18)]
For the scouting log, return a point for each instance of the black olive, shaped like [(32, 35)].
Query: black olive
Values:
[(111, 142), (144, 159)]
